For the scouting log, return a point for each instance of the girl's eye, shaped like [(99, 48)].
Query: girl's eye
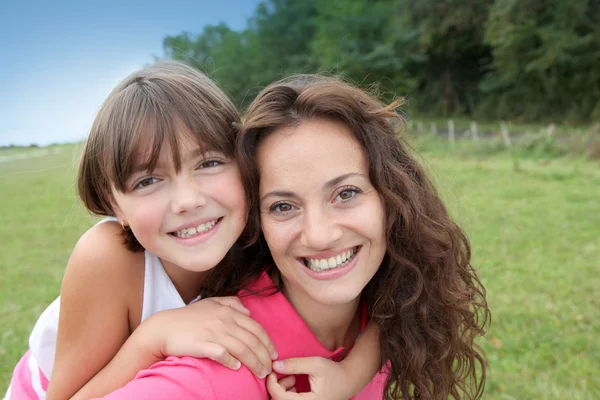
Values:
[(281, 208), (210, 164), (145, 182), (347, 194)]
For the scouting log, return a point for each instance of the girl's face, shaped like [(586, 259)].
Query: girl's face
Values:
[(320, 215), (189, 218)]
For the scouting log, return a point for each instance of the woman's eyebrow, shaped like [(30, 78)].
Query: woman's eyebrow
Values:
[(328, 185), (337, 180), (279, 193)]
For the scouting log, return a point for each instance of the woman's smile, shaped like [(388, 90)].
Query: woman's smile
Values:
[(324, 227)]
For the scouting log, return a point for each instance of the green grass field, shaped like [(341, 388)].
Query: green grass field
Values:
[(535, 232)]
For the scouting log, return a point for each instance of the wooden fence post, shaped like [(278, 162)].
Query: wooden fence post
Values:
[(474, 135), (505, 134), (451, 131)]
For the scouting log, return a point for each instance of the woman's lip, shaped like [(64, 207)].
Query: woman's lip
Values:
[(328, 254)]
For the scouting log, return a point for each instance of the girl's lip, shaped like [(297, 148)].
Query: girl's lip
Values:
[(198, 238), (195, 223)]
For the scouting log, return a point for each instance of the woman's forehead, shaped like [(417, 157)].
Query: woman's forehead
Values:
[(314, 152)]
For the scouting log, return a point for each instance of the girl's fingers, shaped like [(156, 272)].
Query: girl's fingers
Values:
[(288, 382), (258, 331), (218, 353), (246, 322), (275, 390), (258, 364), (300, 365), (279, 392), (233, 302), (253, 344)]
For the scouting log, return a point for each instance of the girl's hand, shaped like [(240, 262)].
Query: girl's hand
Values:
[(218, 328), (326, 379)]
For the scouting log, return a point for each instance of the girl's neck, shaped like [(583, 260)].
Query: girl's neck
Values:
[(334, 325), (186, 282)]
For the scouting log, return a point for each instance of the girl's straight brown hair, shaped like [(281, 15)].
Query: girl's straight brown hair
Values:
[(148, 109)]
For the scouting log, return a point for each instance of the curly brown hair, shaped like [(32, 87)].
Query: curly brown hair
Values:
[(426, 297)]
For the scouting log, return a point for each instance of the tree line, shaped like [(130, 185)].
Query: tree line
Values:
[(522, 60)]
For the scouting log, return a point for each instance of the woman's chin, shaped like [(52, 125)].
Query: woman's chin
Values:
[(335, 295)]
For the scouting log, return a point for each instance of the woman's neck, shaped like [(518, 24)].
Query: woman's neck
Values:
[(334, 325)]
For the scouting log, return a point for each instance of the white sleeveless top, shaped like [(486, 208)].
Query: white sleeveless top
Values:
[(159, 294)]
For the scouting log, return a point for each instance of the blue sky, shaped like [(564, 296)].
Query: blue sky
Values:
[(60, 59)]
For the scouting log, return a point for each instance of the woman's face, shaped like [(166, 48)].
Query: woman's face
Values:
[(320, 214)]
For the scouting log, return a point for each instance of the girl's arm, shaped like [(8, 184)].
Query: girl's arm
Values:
[(215, 328), (363, 361), (102, 280), (329, 379), (100, 301)]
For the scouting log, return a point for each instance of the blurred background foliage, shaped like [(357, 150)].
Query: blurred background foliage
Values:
[(526, 60)]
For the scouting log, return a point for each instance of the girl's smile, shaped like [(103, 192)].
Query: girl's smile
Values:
[(190, 216)]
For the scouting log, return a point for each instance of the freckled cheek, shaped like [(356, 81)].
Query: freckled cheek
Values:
[(370, 222), (279, 236)]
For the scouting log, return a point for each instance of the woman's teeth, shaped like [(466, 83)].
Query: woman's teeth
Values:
[(323, 264), (193, 231)]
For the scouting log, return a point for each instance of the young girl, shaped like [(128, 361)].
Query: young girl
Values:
[(160, 162), (347, 226)]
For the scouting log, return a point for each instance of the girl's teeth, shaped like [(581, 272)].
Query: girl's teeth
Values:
[(189, 232)]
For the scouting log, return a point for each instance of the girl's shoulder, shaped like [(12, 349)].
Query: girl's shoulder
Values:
[(101, 263), (104, 247)]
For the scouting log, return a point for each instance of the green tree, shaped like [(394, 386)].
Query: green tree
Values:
[(546, 57), (527, 59), (450, 57)]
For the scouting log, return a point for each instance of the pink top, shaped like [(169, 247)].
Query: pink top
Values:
[(200, 378)]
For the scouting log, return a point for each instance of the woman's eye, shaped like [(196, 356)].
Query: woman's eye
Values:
[(280, 208), (210, 164), (145, 182), (347, 194)]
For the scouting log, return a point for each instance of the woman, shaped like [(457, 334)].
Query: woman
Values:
[(354, 230)]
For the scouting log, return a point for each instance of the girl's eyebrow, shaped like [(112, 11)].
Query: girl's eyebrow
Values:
[(139, 168), (328, 185), (199, 152)]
